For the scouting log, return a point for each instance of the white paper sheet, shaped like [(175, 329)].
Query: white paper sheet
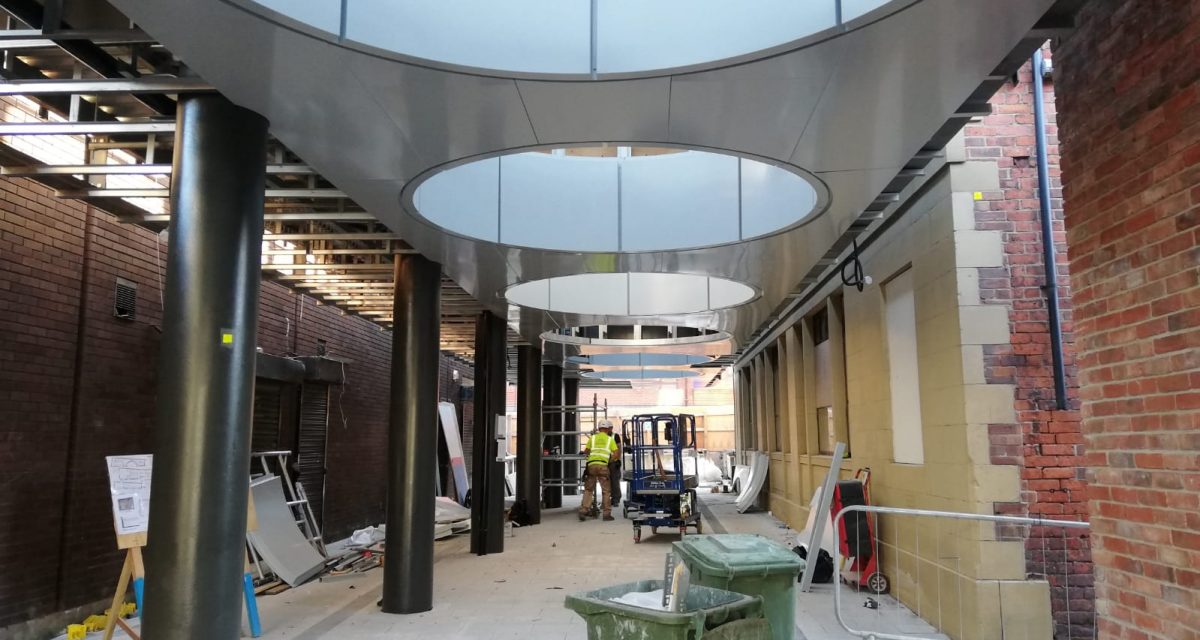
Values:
[(129, 483)]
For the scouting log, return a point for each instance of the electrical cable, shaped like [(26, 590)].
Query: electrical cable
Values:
[(857, 279)]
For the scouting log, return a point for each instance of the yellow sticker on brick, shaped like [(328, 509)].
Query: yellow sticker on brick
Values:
[(979, 195)]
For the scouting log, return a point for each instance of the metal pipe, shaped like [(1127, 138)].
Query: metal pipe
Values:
[(487, 491), (552, 394), (1046, 217), (529, 430), (196, 553), (412, 436)]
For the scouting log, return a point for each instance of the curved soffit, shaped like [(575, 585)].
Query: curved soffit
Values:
[(851, 107), (567, 39)]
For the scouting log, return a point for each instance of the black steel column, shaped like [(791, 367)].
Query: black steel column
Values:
[(197, 547), (529, 430), (552, 396), (412, 436), (571, 443), (487, 479)]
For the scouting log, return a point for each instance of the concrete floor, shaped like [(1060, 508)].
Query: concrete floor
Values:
[(519, 593)]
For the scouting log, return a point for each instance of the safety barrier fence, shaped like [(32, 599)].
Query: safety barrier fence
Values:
[(968, 576)]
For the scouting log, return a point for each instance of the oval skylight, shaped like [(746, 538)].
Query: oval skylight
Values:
[(641, 374), (639, 359), (630, 294), (573, 37), (564, 202)]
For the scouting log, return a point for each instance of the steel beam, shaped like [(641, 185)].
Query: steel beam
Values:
[(291, 216), (125, 169), (412, 437), (163, 193), (487, 488), (83, 128), (529, 430), (381, 267), (107, 86), (302, 237), (98, 36), (196, 554), (552, 395)]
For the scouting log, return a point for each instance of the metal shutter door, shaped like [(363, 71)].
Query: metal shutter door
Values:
[(310, 445)]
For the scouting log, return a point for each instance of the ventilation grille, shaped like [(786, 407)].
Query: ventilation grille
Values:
[(125, 300)]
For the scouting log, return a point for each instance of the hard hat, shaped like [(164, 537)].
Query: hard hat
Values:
[(605, 424)]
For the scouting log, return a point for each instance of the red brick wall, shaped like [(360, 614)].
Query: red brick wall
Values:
[(77, 384), (1045, 442), (1129, 105)]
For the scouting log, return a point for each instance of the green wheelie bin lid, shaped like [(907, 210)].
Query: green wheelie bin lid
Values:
[(747, 564), (737, 556)]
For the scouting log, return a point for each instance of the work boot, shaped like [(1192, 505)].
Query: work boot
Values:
[(608, 517), (582, 516)]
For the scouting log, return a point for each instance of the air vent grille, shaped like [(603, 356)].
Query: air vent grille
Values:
[(125, 300)]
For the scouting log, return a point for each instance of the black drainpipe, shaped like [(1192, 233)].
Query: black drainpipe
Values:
[(1047, 220)]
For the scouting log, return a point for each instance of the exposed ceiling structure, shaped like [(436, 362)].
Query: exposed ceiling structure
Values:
[(107, 94)]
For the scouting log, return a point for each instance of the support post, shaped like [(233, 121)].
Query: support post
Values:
[(196, 550), (529, 430), (412, 436), (571, 443), (487, 491), (552, 396)]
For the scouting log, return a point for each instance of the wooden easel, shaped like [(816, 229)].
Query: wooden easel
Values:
[(133, 570)]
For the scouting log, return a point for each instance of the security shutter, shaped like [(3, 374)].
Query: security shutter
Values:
[(265, 433), (310, 444)]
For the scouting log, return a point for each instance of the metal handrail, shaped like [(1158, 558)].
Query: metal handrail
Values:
[(953, 515)]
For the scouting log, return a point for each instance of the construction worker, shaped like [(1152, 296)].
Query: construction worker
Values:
[(601, 448)]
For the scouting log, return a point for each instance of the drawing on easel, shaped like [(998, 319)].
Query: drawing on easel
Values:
[(129, 482)]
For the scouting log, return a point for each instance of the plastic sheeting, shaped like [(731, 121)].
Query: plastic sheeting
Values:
[(278, 540), (451, 514)]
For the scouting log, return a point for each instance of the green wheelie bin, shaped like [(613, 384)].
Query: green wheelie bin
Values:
[(747, 564), (711, 614)]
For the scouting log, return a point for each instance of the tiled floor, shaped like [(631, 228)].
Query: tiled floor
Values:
[(519, 593)]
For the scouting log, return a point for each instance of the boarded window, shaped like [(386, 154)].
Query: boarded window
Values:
[(907, 439)]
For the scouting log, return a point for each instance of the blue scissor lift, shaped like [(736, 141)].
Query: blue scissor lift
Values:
[(659, 494)]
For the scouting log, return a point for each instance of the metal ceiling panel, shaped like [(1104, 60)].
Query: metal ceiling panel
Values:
[(572, 112), (763, 110), (446, 116), (900, 78)]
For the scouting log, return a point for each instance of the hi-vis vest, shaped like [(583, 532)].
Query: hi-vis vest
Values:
[(601, 446)]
